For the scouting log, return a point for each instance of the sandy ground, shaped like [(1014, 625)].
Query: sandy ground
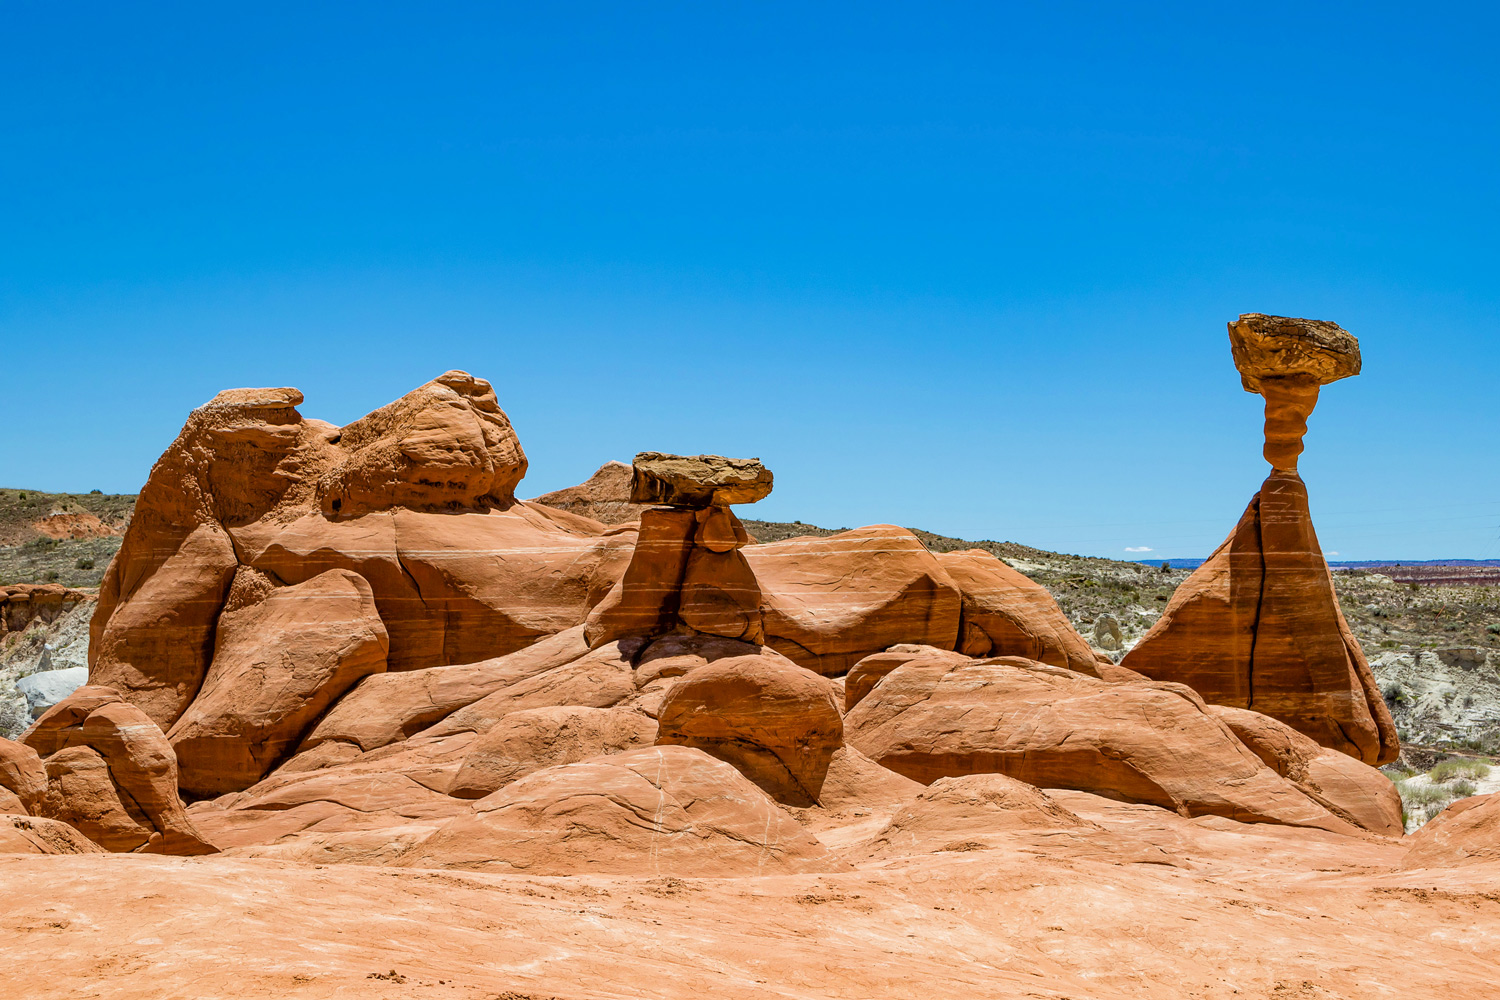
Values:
[(1154, 906)]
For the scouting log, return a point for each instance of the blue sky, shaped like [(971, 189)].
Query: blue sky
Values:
[(961, 267)]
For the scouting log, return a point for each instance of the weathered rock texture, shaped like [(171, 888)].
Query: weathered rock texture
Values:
[(277, 666), (417, 499), (658, 810), (1258, 625), (109, 773), (687, 570), (932, 718), (1005, 614), (697, 480), (604, 496), (774, 721), (531, 739), (829, 602)]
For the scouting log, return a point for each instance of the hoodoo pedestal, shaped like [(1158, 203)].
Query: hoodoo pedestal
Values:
[(1258, 625)]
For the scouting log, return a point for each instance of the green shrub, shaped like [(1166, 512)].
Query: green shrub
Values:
[(84, 562), (1462, 789), (1458, 768)]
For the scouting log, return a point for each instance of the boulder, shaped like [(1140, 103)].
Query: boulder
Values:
[(43, 690), (827, 603), (1270, 347), (665, 810), (277, 666), (1055, 728), (697, 480), (61, 724), (111, 774), (387, 708), (871, 670), (22, 776), (1341, 784), (529, 740), (1006, 614), (774, 721), (1107, 634), (443, 446)]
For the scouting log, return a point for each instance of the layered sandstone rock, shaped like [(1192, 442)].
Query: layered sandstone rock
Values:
[(531, 739), (387, 708), (932, 718), (1006, 614), (1465, 833), (1258, 625), (23, 604), (774, 721), (604, 496), (417, 498), (658, 810), (964, 813), (829, 602), (687, 570), (110, 774), (1341, 784), (21, 834), (278, 665)]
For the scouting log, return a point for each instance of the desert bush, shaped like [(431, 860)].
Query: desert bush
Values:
[(1448, 770), (84, 562)]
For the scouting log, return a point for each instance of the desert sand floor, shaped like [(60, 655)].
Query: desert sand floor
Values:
[(1152, 906)]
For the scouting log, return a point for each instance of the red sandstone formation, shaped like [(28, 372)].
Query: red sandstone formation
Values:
[(774, 721), (1258, 625), (100, 765), (372, 656), (604, 496), (657, 810), (932, 718)]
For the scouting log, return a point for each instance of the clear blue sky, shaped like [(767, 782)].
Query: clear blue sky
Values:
[(962, 267)]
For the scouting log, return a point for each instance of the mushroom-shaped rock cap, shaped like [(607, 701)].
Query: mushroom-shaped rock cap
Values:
[(1278, 346), (697, 480)]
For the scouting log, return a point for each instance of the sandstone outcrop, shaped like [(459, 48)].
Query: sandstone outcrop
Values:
[(22, 604), (1341, 784), (774, 721), (1006, 614), (417, 498), (932, 718), (278, 665), (109, 773), (1258, 625), (1465, 833), (531, 739), (829, 602), (657, 810), (687, 569), (965, 813), (604, 496), (35, 835), (387, 708), (868, 672)]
